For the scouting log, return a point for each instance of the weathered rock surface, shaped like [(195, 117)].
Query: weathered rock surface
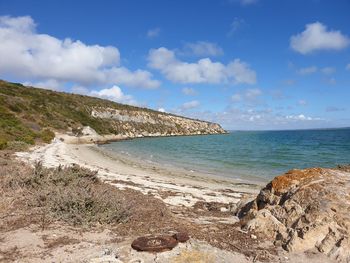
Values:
[(152, 123), (304, 210)]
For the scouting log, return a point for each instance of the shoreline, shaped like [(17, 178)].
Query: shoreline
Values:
[(175, 187)]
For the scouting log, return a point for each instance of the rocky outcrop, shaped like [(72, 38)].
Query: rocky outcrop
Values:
[(304, 210), (142, 123)]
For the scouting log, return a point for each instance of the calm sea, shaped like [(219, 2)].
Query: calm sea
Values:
[(244, 154)]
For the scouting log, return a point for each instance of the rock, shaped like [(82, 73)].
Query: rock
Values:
[(181, 237), (88, 131), (253, 236), (304, 210), (154, 243)]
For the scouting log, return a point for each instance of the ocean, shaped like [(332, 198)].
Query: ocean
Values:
[(246, 155)]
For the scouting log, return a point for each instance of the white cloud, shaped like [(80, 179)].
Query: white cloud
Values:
[(202, 48), (77, 89), (137, 78), (161, 109), (51, 84), (248, 96), (347, 67), (328, 70), (189, 91), (238, 118), (203, 71), (115, 94), (301, 117), (236, 97), (190, 105), (308, 70), (316, 37), (32, 56), (154, 32), (252, 93)]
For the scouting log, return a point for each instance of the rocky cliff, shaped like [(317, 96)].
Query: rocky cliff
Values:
[(29, 115), (145, 123), (304, 210)]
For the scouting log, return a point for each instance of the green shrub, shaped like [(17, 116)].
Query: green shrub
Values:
[(28, 138), (47, 135), (17, 146), (3, 144), (75, 195)]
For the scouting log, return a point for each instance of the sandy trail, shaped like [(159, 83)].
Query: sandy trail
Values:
[(174, 187)]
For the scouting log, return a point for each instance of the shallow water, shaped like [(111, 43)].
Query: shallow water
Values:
[(244, 155)]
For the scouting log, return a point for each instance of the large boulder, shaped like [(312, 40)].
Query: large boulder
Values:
[(304, 210)]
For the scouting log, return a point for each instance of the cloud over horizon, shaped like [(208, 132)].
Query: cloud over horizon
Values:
[(40, 57), (202, 71)]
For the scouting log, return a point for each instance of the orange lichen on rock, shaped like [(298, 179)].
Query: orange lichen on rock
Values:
[(282, 183)]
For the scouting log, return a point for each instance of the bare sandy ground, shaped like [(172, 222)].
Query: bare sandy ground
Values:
[(174, 187)]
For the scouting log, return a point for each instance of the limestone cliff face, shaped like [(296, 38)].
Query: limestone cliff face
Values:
[(152, 123), (304, 210)]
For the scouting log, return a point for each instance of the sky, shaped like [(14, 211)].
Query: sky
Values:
[(246, 64)]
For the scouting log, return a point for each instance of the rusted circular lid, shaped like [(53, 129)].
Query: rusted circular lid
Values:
[(154, 243)]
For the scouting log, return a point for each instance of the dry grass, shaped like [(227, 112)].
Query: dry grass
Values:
[(73, 195)]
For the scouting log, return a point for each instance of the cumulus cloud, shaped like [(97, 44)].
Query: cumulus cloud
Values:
[(190, 105), (189, 91), (316, 37), (154, 32), (31, 56), (202, 48), (115, 94), (308, 70), (203, 71)]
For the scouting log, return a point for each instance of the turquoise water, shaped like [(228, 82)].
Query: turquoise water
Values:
[(244, 154)]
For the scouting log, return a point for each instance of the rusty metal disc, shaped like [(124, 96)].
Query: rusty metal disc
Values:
[(154, 243)]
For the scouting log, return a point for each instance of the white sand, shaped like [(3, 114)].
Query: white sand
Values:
[(174, 187)]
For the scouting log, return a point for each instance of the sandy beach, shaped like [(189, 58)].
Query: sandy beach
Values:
[(174, 186)]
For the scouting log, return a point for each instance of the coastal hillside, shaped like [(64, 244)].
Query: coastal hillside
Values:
[(30, 114)]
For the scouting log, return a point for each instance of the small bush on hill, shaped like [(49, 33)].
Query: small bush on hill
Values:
[(3, 143), (47, 135)]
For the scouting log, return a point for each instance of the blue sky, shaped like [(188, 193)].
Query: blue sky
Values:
[(247, 64)]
